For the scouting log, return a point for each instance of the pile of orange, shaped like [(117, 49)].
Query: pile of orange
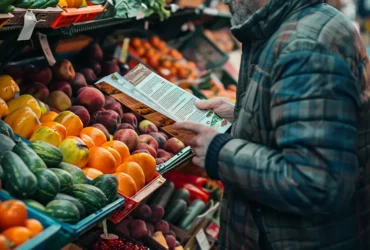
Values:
[(167, 62), (15, 227), (113, 157)]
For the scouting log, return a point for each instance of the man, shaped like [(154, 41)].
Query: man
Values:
[(296, 167)]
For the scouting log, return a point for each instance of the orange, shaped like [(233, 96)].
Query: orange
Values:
[(101, 159), (147, 163), (135, 171), (17, 235), (126, 185), (92, 173), (57, 127), (95, 134), (115, 154), (121, 148), (87, 140), (71, 122), (34, 226)]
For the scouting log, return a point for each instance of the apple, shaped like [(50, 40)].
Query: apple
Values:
[(64, 71)]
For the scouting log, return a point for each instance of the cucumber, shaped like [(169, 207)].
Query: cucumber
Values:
[(163, 195), (196, 208), (175, 212), (77, 203), (78, 176), (20, 182), (180, 194), (34, 204), (32, 160)]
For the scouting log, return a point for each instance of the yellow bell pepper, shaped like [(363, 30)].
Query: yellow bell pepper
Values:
[(23, 121), (25, 100), (8, 88), (48, 135), (3, 108)]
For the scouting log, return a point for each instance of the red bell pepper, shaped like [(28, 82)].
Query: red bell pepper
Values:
[(195, 180), (195, 192)]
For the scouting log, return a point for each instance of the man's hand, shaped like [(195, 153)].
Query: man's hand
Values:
[(199, 143), (220, 105)]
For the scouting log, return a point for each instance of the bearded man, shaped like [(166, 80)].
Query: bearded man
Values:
[(296, 165)]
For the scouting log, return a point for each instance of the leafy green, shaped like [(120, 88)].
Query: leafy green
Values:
[(120, 8), (157, 7)]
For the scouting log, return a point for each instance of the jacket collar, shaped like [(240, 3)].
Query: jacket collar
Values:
[(262, 24)]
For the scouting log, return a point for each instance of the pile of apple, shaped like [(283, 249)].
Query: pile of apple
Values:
[(62, 88)]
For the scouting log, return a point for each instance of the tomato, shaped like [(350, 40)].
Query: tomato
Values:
[(12, 213), (17, 235), (4, 243)]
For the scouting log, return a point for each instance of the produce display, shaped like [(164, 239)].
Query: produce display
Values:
[(69, 151), (170, 64), (16, 228)]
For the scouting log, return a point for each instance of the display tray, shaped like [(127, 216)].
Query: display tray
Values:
[(69, 232), (51, 228)]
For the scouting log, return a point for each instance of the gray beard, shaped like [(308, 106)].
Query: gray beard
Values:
[(241, 10)]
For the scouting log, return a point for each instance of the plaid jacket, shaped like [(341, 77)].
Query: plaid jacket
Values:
[(296, 168)]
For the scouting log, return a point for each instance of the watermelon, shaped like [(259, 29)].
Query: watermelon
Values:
[(78, 176), (19, 181), (50, 154), (91, 197), (34, 204), (108, 184), (48, 185), (65, 178), (63, 210), (77, 203), (32, 160)]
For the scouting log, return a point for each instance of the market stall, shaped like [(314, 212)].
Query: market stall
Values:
[(84, 161)]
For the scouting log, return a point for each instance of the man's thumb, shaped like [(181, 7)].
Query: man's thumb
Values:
[(204, 104)]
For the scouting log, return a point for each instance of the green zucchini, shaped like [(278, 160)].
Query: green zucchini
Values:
[(32, 160), (176, 211), (20, 182), (163, 195), (195, 209)]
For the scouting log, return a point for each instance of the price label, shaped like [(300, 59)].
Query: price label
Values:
[(46, 48), (28, 27), (202, 240)]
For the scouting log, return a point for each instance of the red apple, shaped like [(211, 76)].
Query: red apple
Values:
[(37, 90), (130, 119), (81, 112), (109, 118), (42, 75), (161, 140), (79, 82), (91, 98), (125, 126), (62, 86)]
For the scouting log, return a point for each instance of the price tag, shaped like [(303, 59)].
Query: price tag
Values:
[(202, 240), (46, 48), (124, 50), (28, 27)]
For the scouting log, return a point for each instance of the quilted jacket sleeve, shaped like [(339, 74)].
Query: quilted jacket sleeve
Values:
[(314, 107)]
